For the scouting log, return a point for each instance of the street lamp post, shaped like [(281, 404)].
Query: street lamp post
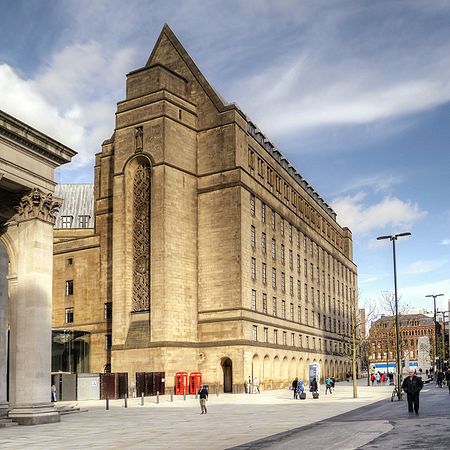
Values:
[(393, 238), (437, 361)]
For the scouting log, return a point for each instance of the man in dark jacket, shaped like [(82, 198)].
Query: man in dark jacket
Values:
[(203, 393), (412, 386), (447, 378)]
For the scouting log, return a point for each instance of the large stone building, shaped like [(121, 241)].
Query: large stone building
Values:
[(209, 251)]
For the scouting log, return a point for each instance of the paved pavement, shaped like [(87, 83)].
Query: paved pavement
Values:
[(380, 425), (267, 420)]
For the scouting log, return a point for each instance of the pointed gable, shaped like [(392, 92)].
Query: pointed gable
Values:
[(169, 53)]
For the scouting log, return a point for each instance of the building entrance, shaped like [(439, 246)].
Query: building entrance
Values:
[(227, 368)]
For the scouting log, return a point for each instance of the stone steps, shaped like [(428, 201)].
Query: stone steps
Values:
[(7, 423)]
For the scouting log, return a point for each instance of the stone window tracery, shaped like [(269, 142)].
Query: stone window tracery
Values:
[(141, 238)]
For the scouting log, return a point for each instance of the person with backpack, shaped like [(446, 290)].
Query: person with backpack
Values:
[(328, 385)]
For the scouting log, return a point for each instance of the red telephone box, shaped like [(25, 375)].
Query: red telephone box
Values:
[(195, 380), (181, 379)]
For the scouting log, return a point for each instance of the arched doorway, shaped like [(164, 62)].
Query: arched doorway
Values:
[(227, 368)]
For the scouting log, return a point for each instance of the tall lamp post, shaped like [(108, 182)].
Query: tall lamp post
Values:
[(393, 238), (437, 361)]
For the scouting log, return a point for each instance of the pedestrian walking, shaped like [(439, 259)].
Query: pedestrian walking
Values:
[(53, 390), (328, 385), (256, 386), (378, 377), (447, 378), (439, 378), (300, 389), (412, 385), (294, 387), (203, 394), (372, 378)]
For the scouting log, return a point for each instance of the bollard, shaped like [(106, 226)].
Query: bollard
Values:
[(217, 391), (107, 403), (171, 396), (157, 397), (142, 399), (125, 401), (184, 395)]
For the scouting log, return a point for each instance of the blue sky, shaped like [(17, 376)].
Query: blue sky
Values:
[(356, 94)]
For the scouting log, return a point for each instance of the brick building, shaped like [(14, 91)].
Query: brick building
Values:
[(209, 251), (382, 353)]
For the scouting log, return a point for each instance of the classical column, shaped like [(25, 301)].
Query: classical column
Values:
[(3, 331), (31, 304)]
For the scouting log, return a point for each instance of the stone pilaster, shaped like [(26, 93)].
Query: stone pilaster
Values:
[(31, 303)]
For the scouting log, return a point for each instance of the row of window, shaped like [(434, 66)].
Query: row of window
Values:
[(309, 317), (286, 192), (67, 221), (107, 313), (309, 245), (302, 341), (412, 354)]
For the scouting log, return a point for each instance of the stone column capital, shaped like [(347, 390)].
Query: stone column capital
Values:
[(37, 205)]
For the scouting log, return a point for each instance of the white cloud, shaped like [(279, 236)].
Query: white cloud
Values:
[(445, 242), (423, 266), (389, 212)]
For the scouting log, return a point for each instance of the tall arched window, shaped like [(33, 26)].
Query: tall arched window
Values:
[(141, 238)]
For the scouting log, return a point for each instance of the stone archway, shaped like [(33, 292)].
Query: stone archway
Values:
[(27, 215), (227, 369)]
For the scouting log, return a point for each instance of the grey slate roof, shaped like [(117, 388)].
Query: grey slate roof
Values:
[(77, 200)]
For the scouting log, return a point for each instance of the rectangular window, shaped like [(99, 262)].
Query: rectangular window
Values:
[(282, 227), (314, 343), (291, 311), (306, 316), (107, 311), (299, 314), (83, 221), (252, 236), (306, 269), (274, 277), (274, 249), (291, 285), (282, 253), (69, 261), (264, 303), (272, 219), (283, 282), (292, 339), (253, 269), (299, 289), (291, 259), (263, 213), (306, 292), (300, 340), (263, 243), (69, 315), (283, 309), (266, 334), (275, 336), (274, 306), (284, 338), (253, 300), (298, 238), (69, 287), (255, 333), (66, 221), (252, 204), (307, 341), (290, 232), (108, 342), (264, 273)]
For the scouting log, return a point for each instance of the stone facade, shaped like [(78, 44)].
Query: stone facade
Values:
[(248, 273)]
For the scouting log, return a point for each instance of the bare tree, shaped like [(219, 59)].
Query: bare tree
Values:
[(354, 337)]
